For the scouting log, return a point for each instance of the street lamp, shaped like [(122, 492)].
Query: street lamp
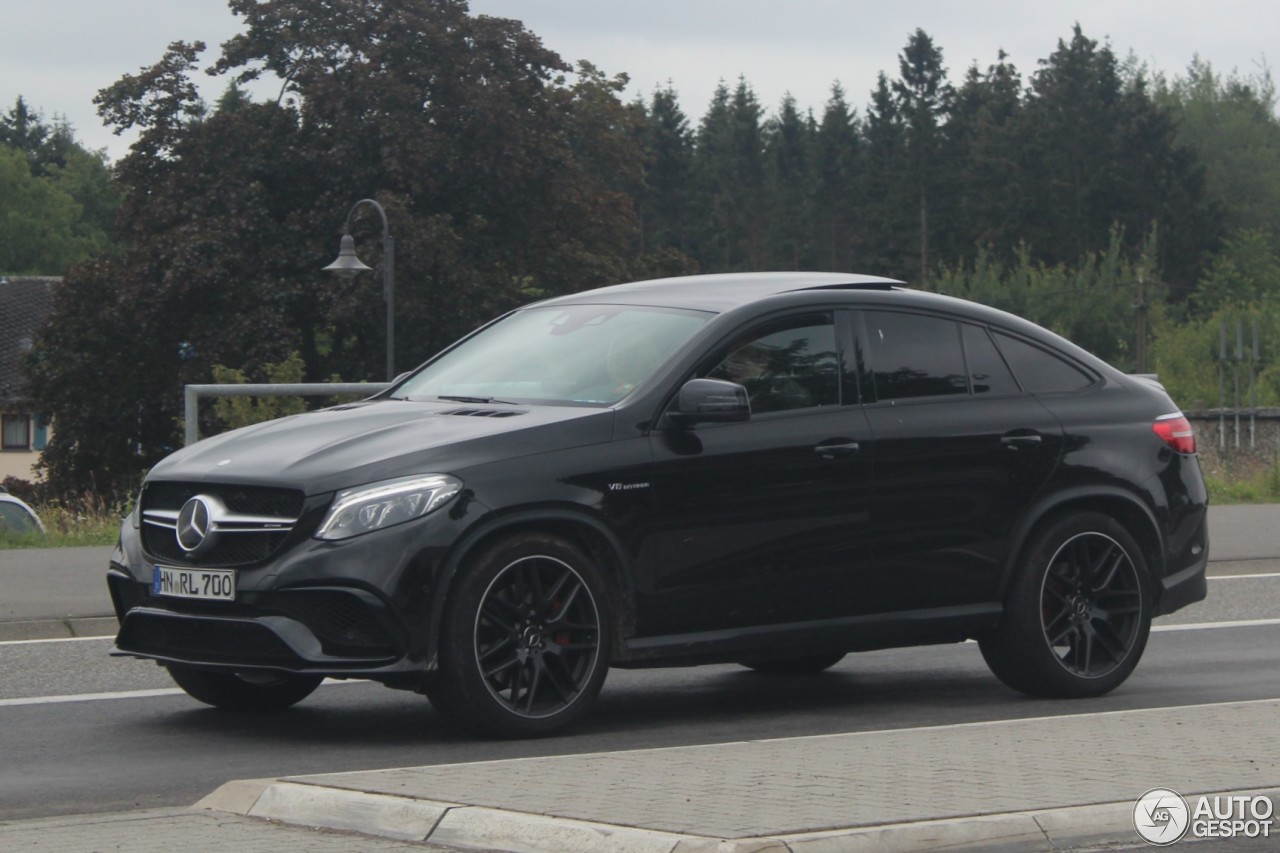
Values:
[(347, 265)]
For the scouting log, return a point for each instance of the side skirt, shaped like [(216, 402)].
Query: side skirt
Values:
[(850, 634)]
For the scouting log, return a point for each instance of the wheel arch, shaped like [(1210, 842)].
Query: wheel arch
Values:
[(1125, 507), (576, 526)]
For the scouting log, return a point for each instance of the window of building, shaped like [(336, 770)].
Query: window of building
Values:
[(16, 432)]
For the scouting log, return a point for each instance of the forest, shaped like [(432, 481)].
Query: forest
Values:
[(1132, 211)]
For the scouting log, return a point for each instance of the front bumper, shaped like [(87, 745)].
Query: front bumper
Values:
[(351, 609)]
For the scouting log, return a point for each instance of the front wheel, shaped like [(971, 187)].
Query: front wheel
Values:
[(1078, 614), (248, 691), (524, 647)]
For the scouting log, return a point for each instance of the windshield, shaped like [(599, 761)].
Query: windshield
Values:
[(586, 354)]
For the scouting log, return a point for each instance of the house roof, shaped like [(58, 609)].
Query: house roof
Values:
[(25, 301)]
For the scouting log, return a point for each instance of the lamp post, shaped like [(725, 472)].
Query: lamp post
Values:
[(347, 265)]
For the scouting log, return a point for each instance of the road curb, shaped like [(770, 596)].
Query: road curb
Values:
[(478, 827), (58, 629)]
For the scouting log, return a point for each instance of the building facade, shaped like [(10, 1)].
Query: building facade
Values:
[(25, 302)]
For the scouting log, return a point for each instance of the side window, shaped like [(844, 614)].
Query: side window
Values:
[(1039, 371), (789, 365), (914, 356), (987, 371)]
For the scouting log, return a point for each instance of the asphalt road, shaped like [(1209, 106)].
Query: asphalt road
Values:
[(82, 733)]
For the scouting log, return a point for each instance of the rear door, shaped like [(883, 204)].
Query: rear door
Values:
[(960, 449)]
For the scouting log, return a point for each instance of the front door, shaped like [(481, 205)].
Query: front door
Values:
[(756, 521)]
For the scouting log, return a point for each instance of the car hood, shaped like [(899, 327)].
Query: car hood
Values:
[(373, 440)]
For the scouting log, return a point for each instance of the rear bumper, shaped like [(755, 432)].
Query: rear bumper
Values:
[(1186, 587), (1188, 584)]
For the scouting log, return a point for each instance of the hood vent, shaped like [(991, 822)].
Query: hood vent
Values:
[(483, 413)]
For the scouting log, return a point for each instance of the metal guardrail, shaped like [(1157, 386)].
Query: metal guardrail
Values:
[(193, 393)]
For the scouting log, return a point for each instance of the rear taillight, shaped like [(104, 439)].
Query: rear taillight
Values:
[(1175, 430)]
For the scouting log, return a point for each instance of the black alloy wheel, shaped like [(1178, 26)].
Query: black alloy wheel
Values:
[(1078, 615), (525, 645), (1091, 604), (247, 691)]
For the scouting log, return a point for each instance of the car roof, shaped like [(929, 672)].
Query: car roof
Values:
[(722, 291)]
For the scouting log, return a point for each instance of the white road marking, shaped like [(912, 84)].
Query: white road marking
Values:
[(56, 640), (129, 694), (90, 697), (1201, 626), (1237, 577)]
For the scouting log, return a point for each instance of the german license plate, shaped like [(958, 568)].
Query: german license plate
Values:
[(216, 584)]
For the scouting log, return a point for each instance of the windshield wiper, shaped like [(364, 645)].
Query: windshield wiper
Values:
[(458, 398)]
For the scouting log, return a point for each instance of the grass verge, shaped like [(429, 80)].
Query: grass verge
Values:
[(90, 522)]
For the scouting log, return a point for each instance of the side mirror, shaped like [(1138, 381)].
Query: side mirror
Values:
[(710, 401)]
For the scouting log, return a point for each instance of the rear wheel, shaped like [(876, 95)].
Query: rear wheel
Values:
[(1078, 614), (524, 647), (248, 691), (796, 666)]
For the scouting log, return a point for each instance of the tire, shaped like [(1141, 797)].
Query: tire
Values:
[(525, 641), (1078, 614), (233, 691), (795, 666)]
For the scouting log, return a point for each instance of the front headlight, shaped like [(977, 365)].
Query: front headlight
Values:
[(378, 505)]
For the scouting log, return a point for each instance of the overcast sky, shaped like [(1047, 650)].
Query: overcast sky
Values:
[(58, 53)]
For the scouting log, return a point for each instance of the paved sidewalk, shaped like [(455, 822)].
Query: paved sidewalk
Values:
[(181, 829), (1050, 783)]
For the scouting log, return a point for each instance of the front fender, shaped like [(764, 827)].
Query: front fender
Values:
[(563, 520)]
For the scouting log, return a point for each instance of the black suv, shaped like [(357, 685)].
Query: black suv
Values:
[(771, 469)]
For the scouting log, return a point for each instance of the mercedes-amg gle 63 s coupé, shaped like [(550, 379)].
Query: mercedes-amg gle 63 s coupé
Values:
[(767, 469)]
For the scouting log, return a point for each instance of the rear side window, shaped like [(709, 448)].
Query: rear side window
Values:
[(987, 370), (914, 356), (1039, 371)]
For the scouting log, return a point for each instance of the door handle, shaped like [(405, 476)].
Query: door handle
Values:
[(1020, 438), (830, 450)]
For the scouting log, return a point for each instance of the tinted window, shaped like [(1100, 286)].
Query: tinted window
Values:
[(1039, 371), (987, 370), (914, 356), (794, 365)]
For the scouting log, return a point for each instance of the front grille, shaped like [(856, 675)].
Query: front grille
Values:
[(250, 500), (215, 641), (239, 548)]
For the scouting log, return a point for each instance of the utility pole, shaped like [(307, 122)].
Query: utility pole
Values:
[(1140, 321)]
